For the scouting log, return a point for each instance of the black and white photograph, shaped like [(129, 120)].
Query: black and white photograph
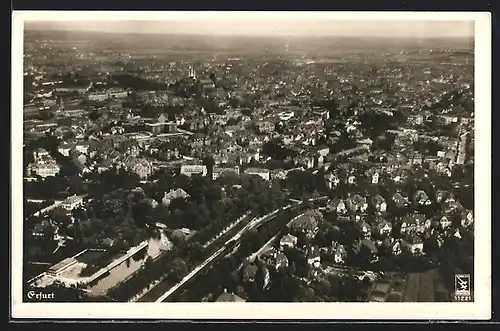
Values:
[(268, 158)]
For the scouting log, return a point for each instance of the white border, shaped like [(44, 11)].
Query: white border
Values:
[(480, 309)]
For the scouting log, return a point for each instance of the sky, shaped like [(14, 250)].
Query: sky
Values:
[(271, 27)]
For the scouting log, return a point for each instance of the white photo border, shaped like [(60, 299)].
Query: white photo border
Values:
[(480, 309)]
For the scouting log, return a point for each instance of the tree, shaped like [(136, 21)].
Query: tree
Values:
[(248, 242), (260, 275), (178, 269), (48, 232), (322, 287), (306, 294), (284, 287), (240, 291), (76, 185), (196, 252)]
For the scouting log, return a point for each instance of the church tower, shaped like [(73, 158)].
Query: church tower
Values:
[(192, 73)]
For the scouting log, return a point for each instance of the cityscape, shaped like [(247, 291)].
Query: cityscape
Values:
[(175, 167)]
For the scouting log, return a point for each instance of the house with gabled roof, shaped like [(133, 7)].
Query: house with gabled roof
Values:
[(383, 227), (365, 229), (174, 194), (396, 248), (399, 200), (370, 246), (451, 206), (306, 224), (332, 180), (338, 205), (379, 203), (313, 256), (445, 222), (229, 297), (413, 244), (442, 196), (421, 198), (467, 219), (288, 240), (339, 253), (356, 203), (274, 258), (413, 222), (250, 272)]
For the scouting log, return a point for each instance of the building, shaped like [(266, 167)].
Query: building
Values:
[(421, 198), (313, 256), (45, 169), (117, 93), (67, 89), (72, 202), (174, 194), (379, 203), (306, 224), (286, 115), (288, 241), (206, 84), (368, 246), (194, 169), (40, 228), (337, 205), (413, 244), (400, 201), (98, 96), (65, 149), (192, 73), (340, 253), (157, 127), (250, 274), (221, 171), (62, 266), (265, 127), (229, 297), (384, 228), (263, 173), (142, 167), (83, 147), (357, 203), (414, 222), (40, 154), (365, 229), (274, 258), (162, 125)]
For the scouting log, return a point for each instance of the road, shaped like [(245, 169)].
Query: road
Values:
[(228, 228)]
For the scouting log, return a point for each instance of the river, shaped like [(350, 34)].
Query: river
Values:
[(128, 267)]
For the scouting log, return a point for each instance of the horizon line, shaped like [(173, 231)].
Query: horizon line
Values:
[(281, 35)]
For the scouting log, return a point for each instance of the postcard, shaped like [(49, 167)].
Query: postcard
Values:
[(251, 165)]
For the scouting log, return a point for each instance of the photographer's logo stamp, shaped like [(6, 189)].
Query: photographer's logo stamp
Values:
[(463, 287)]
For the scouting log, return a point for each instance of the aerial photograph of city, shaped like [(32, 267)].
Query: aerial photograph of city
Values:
[(206, 161)]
